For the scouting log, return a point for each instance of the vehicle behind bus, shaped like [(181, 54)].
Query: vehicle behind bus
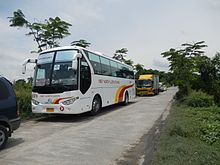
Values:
[(148, 84)]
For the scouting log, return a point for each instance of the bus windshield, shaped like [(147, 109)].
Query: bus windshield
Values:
[(58, 74), (64, 74)]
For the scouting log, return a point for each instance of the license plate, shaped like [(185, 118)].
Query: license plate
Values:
[(50, 109)]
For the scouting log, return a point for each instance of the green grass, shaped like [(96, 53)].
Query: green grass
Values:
[(23, 95), (191, 136)]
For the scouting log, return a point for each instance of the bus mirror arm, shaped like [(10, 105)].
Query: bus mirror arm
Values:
[(77, 56), (74, 64), (25, 63), (75, 60)]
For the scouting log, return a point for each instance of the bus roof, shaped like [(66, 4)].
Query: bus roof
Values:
[(81, 48)]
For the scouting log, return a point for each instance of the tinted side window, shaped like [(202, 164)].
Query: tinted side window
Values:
[(4, 93), (106, 70), (114, 68), (128, 72), (124, 72), (131, 73), (120, 70), (95, 61)]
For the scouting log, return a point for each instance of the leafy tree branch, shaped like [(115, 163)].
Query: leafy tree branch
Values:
[(47, 34)]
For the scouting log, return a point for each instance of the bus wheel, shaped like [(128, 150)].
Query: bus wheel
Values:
[(96, 106), (126, 100), (3, 136)]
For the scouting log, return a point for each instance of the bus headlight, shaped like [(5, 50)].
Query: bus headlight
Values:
[(70, 101), (35, 102)]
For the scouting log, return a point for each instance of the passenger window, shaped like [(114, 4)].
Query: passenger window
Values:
[(125, 72), (106, 70), (114, 68), (95, 61), (131, 73), (120, 70), (128, 72), (4, 93)]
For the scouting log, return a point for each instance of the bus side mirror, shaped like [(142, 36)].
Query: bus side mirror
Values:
[(23, 68), (25, 63)]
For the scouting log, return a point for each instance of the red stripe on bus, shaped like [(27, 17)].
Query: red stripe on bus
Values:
[(122, 92)]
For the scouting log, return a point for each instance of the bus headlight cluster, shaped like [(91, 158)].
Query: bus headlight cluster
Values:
[(35, 102), (70, 101)]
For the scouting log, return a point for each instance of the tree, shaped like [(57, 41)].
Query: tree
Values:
[(214, 75), (18, 19), (168, 79), (47, 34), (129, 62), (120, 54), (20, 82), (139, 70), (183, 64), (139, 67), (202, 77), (81, 43), (216, 64)]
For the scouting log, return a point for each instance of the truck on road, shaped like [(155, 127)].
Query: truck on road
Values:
[(148, 84)]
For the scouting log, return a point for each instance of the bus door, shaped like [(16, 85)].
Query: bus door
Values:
[(84, 84)]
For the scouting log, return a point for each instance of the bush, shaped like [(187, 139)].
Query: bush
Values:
[(191, 136), (178, 130), (23, 95), (210, 132), (199, 99)]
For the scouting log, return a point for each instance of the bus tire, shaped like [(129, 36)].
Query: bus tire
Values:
[(3, 136), (96, 105), (126, 99)]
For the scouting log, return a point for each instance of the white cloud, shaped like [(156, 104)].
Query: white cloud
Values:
[(214, 4), (75, 11), (11, 65), (4, 24), (146, 28), (161, 64)]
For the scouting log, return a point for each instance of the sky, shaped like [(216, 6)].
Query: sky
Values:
[(145, 27)]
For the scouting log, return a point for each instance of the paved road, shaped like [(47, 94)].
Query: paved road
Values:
[(81, 139)]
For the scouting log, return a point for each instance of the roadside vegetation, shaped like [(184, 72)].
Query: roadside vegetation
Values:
[(23, 90), (192, 133)]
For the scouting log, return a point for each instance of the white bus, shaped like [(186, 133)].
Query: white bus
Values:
[(73, 80)]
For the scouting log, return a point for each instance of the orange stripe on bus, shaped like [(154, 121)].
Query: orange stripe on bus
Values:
[(56, 101), (120, 93)]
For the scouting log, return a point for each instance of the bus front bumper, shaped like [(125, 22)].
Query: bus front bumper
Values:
[(54, 109)]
